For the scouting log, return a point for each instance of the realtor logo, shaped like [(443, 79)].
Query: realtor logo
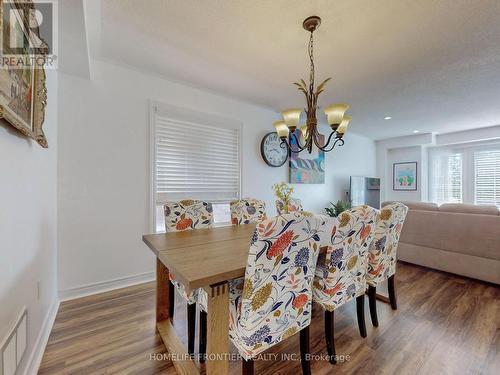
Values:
[(28, 33)]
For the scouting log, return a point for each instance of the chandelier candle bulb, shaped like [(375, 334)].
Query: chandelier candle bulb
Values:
[(341, 130), (335, 114), (303, 130), (291, 117), (281, 129)]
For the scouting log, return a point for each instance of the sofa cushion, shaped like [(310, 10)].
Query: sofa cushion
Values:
[(425, 206), (477, 235), (469, 209)]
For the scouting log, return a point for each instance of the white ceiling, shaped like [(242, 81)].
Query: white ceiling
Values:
[(433, 65)]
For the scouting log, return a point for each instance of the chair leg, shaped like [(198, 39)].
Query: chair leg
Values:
[(329, 336), (247, 367), (203, 336), (360, 307), (372, 291), (191, 321), (171, 298), (392, 293), (304, 351)]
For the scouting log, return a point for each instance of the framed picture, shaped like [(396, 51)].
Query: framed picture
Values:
[(23, 92), (305, 167), (405, 176)]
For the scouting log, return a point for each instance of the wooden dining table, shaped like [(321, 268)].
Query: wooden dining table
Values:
[(202, 258)]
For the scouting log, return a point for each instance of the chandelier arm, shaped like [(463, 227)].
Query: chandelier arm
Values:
[(285, 144), (325, 145), (299, 147), (340, 141)]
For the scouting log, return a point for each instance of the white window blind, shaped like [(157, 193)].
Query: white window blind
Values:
[(487, 177), (446, 178), (196, 156)]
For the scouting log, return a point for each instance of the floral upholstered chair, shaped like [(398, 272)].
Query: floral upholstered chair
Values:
[(274, 299), (382, 258), (248, 210), (181, 216), (294, 206), (341, 273)]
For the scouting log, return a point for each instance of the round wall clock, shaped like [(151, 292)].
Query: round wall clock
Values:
[(272, 152)]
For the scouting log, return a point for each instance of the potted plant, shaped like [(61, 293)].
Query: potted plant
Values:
[(336, 209), (283, 192)]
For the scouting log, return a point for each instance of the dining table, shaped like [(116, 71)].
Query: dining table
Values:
[(203, 258)]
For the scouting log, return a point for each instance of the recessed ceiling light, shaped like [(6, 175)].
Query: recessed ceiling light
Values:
[(416, 131), (387, 117)]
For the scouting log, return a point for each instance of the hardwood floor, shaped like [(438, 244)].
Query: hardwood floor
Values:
[(444, 324)]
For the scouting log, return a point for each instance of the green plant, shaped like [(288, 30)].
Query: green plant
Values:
[(336, 209), (284, 193)]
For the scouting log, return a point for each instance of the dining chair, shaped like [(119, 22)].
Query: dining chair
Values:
[(181, 216), (294, 205), (382, 258), (273, 301), (341, 273), (247, 210), (243, 211)]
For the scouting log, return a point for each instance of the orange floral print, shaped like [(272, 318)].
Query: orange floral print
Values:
[(365, 232), (281, 244), (184, 224), (334, 290), (300, 301)]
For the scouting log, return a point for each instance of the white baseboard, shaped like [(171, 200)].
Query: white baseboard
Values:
[(36, 355), (105, 286)]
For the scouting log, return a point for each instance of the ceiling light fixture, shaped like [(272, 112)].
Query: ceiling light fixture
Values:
[(416, 131), (335, 113), (387, 118)]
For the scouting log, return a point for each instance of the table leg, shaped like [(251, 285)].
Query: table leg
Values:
[(162, 292), (218, 329), (180, 358)]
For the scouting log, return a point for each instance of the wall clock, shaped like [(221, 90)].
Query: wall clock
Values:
[(272, 152)]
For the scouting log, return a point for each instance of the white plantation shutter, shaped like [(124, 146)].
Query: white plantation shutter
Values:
[(487, 177), (197, 156), (446, 177)]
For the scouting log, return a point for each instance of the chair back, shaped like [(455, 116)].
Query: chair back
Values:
[(341, 275), (382, 258), (277, 291), (248, 210), (187, 215), (294, 206)]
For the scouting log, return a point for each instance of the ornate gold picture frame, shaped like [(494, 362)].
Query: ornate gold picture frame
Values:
[(23, 91)]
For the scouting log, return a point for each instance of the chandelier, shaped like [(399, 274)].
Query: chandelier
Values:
[(335, 113)]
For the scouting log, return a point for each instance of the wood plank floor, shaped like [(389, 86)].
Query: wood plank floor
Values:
[(445, 324)]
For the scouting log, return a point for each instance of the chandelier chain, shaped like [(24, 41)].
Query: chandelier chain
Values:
[(311, 58)]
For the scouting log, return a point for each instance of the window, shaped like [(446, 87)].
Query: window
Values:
[(446, 178), (487, 177), (470, 174), (195, 156)]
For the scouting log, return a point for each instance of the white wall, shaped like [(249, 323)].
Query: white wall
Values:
[(416, 148), (103, 206), (28, 223)]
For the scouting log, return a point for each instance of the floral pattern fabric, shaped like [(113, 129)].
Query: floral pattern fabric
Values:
[(294, 206), (246, 211), (382, 258), (341, 275), (274, 300), (187, 215)]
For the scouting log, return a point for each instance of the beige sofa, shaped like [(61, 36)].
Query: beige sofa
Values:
[(458, 238)]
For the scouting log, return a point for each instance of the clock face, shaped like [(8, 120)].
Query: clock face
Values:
[(271, 150)]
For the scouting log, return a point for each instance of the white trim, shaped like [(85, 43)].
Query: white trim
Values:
[(106, 286), (38, 349)]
